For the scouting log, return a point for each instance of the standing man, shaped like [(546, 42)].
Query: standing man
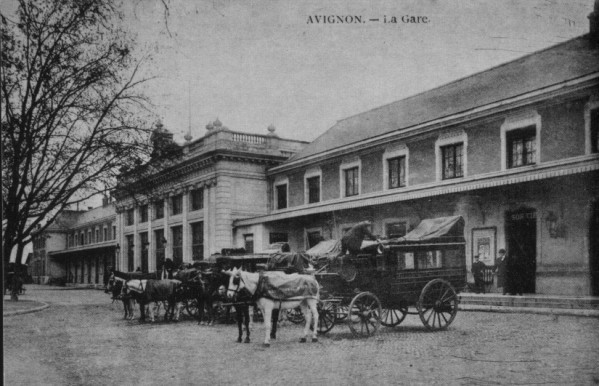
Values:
[(477, 272), (501, 268)]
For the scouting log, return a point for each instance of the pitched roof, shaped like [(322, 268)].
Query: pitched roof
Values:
[(565, 61)]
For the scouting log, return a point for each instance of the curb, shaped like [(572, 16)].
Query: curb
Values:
[(531, 310), (26, 311)]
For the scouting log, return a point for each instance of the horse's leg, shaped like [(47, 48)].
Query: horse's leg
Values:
[(275, 321), (239, 322), (151, 311), (312, 303), (267, 312), (142, 311), (308, 317), (246, 314)]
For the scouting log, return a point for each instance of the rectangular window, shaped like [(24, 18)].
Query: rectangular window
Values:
[(452, 161), (90, 237), (278, 237), (176, 204), (160, 242), (158, 209), (98, 236), (114, 232), (429, 259), (177, 233), (129, 217), (143, 213), (145, 247), (197, 241), (521, 147), (395, 229), (397, 172), (595, 131), (314, 238), (313, 189), (196, 198), (130, 253), (249, 242), (281, 191), (351, 181), (105, 234)]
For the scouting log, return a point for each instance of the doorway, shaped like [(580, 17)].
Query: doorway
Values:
[(521, 242)]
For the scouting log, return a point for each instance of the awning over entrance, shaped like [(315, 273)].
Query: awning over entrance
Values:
[(81, 252)]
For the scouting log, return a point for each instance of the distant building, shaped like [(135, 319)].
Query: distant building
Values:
[(76, 248), (514, 150)]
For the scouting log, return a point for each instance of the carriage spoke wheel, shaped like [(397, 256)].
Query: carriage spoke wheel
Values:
[(191, 306), (438, 304), (326, 316), (364, 317), (391, 317), (295, 315), (341, 312)]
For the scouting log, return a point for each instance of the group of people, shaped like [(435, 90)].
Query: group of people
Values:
[(508, 274)]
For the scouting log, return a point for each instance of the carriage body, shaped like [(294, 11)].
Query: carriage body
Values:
[(411, 275)]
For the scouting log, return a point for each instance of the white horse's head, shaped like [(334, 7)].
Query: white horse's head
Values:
[(236, 283)]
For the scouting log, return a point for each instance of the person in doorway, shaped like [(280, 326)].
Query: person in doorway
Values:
[(501, 269), (168, 266), (477, 272), (513, 274)]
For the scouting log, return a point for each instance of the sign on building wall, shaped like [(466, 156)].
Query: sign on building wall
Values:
[(484, 244)]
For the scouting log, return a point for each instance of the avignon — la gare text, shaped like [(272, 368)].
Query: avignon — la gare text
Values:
[(359, 19)]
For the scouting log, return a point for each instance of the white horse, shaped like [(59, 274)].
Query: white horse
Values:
[(240, 279)]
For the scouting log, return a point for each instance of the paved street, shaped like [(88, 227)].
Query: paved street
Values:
[(82, 339)]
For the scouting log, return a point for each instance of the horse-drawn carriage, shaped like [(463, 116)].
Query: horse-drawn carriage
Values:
[(416, 274)]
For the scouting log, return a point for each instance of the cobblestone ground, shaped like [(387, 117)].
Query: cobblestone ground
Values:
[(82, 340)]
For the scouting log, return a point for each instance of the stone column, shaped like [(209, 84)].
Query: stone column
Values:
[(186, 248), (167, 232), (152, 246)]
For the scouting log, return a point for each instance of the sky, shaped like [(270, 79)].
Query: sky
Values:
[(253, 63)]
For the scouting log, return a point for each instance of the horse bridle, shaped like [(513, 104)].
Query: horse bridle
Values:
[(236, 291)]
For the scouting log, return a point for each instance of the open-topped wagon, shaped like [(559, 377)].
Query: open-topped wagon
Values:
[(415, 274)]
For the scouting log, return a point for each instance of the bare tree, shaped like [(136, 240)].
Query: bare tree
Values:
[(71, 114)]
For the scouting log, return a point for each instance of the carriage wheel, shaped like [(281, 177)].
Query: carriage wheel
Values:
[(438, 304), (295, 315), (326, 316), (364, 317), (391, 317), (191, 306), (341, 312)]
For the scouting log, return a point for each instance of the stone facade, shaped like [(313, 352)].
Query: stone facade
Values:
[(214, 181)]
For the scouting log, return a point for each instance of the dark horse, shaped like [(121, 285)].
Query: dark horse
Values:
[(115, 286)]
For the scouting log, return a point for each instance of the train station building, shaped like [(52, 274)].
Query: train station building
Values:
[(513, 150)]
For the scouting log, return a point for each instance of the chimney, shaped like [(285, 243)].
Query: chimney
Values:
[(594, 25)]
